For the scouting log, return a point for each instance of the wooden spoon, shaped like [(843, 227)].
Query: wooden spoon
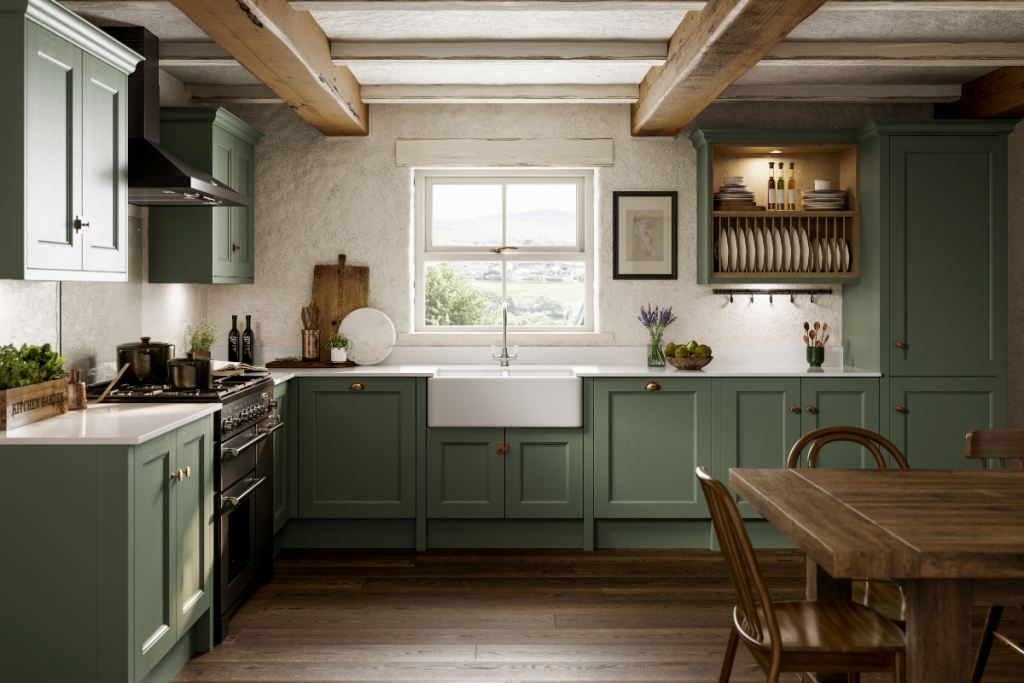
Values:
[(112, 384), (811, 333), (805, 340), (817, 326)]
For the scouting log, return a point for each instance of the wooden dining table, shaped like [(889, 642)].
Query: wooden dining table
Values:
[(951, 538)]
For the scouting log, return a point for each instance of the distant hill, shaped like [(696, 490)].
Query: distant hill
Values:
[(543, 227)]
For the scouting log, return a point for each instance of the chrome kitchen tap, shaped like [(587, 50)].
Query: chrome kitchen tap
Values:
[(504, 358)]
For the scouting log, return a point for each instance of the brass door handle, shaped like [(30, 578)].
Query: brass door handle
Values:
[(81, 223), (502, 448), (278, 418), (810, 409), (179, 476), (357, 386), (235, 248), (794, 409), (652, 386), (899, 409), (899, 345)]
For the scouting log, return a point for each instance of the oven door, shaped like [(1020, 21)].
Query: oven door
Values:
[(237, 550)]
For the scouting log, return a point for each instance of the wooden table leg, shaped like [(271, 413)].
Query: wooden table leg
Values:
[(821, 586), (938, 630)]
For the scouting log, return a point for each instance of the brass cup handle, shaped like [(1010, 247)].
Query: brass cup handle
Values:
[(652, 386), (235, 248), (357, 386), (899, 345), (899, 409), (810, 409), (794, 409), (179, 476)]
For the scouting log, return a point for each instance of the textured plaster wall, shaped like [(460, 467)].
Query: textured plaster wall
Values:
[(318, 197)]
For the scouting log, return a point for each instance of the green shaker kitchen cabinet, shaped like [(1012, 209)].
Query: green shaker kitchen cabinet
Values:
[(649, 436), (208, 245), (929, 417), (495, 473), (840, 401), (358, 447), (64, 188), (283, 453)]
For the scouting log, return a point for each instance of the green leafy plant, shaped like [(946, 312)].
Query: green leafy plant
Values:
[(337, 341), (287, 359), (28, 365), (203, 336)]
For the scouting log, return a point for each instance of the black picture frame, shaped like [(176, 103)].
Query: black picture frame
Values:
[(674, 256)]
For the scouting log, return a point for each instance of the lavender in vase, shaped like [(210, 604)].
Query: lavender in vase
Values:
[(656, 321)]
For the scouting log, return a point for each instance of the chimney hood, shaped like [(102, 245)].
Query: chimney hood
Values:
[(157, 177)]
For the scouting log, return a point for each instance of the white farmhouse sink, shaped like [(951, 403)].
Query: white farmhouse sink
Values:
[(493, 396)]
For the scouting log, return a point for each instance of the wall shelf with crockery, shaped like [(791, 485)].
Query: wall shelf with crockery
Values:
[(773, 249)]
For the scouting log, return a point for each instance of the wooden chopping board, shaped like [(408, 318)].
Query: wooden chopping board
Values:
[(338, 290)]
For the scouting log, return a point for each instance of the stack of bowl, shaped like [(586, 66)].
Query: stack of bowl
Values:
[(821, 198), (734, 195)]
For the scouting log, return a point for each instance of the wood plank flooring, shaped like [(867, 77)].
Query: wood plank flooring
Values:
[(506, 617)]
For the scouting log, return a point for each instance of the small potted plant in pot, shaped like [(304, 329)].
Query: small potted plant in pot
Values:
[(201, 338), (338, 345)]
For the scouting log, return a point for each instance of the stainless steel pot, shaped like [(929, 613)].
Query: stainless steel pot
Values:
[(191, 372), (147, 360)]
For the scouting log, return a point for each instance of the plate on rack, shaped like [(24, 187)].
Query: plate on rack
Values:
[(741, 251), (787, 250), (805, 251), (778, 250), (733, 253), (751, 252), (723, 251), (769, 250)]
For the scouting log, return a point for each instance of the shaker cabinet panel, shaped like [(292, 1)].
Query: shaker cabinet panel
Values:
[(841, 401), (195, 519), (544, 473), (647, 443), (358, 447), (948, 277), (241, 217), (465, 473)]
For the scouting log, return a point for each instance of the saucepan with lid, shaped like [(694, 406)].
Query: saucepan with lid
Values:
[(147, 360), (191, 372)]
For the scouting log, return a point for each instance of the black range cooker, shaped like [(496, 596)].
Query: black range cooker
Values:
[(243, 479)]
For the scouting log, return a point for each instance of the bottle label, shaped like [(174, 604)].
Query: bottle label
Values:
[(771, 196), (792, 198)]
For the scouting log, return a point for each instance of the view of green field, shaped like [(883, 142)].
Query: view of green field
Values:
[(566, 292)]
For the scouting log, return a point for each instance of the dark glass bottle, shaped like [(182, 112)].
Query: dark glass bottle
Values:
[(233, 340), (248, 342)]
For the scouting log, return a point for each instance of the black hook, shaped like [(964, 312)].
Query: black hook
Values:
[(792, 299)]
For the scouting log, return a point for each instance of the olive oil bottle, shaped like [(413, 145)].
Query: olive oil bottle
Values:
[(771, 185), (791, 190)]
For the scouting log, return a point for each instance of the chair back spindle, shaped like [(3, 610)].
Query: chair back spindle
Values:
[(864, 437), (996, 444)]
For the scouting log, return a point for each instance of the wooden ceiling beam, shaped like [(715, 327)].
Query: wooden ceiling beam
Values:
[(893, 94), (996, 95), (707, 53), (917, 54), (290, 53)]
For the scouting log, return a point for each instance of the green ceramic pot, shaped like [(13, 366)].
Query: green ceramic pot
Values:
[(815, 356)]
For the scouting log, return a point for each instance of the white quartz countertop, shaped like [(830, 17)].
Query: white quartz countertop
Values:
[(711, 370), (108, 424)]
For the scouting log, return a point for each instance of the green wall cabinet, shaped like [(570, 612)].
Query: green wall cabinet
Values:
[(119, 549), (283, 454), (64, 188), (209, 245), (647, 443), (358, 447), (469, 476)]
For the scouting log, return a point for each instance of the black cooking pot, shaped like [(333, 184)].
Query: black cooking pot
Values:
[(191, 372), (147, 360)]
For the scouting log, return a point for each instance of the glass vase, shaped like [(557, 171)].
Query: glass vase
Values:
[(655, 354)]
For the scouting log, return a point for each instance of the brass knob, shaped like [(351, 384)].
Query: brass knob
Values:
[(179, 476), (278, 418), (810, 409), (652, 386), (899, 345), (235, 248), (794, 409), (188, 471), (81, 223), (356, 386), (899, 409)]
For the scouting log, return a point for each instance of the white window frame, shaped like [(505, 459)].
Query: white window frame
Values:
[(582, 252)]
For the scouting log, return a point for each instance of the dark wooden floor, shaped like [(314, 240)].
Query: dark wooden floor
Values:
[(504, 617)]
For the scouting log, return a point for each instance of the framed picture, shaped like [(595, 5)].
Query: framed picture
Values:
[(644, 231)]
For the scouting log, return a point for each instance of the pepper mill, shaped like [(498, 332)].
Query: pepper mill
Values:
[(76, 391)]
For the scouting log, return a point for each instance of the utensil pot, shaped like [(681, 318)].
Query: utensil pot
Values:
[(311, 345), (815, 356)]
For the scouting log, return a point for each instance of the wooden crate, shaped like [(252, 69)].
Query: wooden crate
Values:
[(24, 405)]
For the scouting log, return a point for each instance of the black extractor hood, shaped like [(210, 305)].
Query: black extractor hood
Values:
[(157, 177)]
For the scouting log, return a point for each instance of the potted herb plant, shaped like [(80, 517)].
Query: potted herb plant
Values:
[(29, 387), (201, 338), (338, 345)]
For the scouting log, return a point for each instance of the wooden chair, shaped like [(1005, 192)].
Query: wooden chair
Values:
[(827, 636), (883, 596), (984, 445)]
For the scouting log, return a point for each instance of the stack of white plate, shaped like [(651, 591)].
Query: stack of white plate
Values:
[(824, 200), (734, 190)]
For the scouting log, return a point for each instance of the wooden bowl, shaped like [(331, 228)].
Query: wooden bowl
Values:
[(689, 363)]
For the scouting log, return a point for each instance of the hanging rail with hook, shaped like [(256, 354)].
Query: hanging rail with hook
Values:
[(771, 293)]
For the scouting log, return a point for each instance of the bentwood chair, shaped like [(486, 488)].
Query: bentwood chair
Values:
[(827, 636), (1001, 445), (881, 595)]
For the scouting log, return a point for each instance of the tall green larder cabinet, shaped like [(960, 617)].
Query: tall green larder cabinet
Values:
[(198, 244)]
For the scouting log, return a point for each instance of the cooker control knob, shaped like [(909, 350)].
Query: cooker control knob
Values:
[(273, 404)]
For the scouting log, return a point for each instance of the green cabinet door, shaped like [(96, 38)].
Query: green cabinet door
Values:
[(282, 455), (544, 473), (241, 217), (948, 260), (195, 519), (154, 549), (759, 425), (358, 447), (931, 416), (840, 401), (223, 167), (104, 164), (53, 124), (647, 444), (465, 473)]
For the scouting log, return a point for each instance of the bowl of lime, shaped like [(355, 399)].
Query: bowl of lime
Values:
[(691, 356)]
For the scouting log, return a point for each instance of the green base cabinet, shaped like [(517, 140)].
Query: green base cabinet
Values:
[(206, 245), (469, 477), (358, 447), (647, 443), (119, 549), (64, 185)]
